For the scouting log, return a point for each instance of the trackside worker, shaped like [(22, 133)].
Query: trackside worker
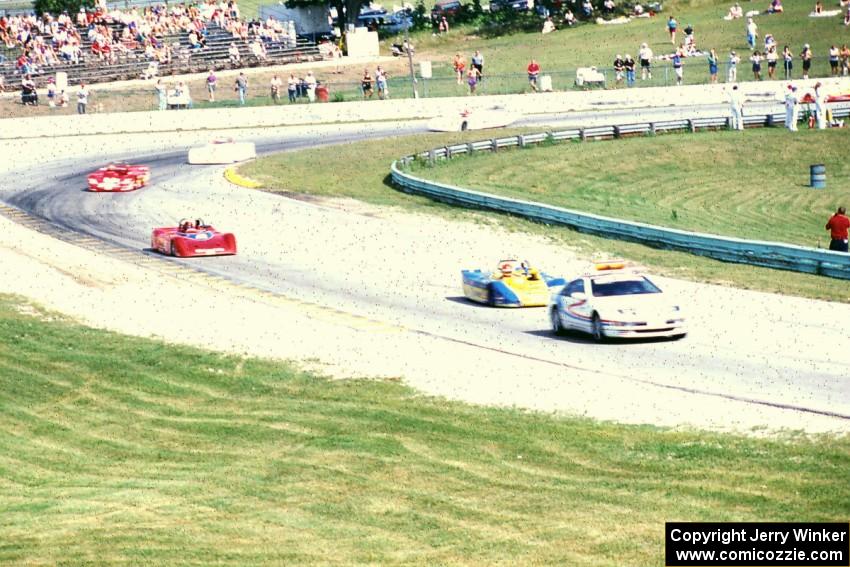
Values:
[(838, 226)]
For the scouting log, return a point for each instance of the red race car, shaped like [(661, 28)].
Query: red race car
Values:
[(119, 177), (190, 239), (810, 99)]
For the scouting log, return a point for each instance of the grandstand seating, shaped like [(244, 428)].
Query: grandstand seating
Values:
[(133, 64)]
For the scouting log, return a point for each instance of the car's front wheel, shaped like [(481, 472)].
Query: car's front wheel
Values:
[(596, 328), (174, 249), (557, 326)]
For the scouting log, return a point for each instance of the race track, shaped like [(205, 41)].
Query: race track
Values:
[(764, 350)]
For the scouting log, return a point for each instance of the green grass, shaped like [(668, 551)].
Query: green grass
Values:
[(119, 450), (591, 44), (752, 185), (361, 171)]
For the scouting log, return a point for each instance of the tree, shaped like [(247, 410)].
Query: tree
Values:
[(58, 6)]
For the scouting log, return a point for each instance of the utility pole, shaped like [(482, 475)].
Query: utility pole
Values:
[(410, 59)]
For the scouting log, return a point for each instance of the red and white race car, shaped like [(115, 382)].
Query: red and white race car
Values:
[(189, 239), (119, 177)]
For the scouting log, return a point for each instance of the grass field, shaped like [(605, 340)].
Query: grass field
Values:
[(361, 171), (750, 185), (591, 44), (116, 450)]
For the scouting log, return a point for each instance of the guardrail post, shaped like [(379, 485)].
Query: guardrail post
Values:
[(470, 148), (652, 128), (448, 152), (520, 141), (432, 156), (583, 134), (616, 131), (728, 122), (494, 145), (691, 126), (769, 121)]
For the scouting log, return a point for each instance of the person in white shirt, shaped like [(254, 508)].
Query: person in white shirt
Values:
[(311, 86), (645, 56), (736, 104), (82, 99), (732, 71), (791, 109), (276, 85), (820, 106)]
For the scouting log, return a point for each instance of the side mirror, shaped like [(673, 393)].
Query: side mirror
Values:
[(579, 295)]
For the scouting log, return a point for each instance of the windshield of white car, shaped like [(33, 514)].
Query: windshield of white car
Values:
[(605, 288)]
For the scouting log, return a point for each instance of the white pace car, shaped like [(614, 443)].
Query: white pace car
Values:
[(616, 302), (475, 119), (223, 150)]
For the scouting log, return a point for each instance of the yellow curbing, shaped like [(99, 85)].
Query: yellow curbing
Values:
[(231, 175)]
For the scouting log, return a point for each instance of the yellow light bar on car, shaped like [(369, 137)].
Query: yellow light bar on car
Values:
[(610, 265)]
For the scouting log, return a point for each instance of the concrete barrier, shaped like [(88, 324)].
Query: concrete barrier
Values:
[(757, 253)]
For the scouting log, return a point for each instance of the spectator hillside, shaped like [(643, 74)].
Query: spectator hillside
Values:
[(105, 45)]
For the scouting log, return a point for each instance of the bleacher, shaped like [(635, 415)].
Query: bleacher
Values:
[(133, 64)]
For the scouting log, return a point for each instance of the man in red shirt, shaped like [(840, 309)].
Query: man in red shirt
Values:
[(837, 226), (533, 71)]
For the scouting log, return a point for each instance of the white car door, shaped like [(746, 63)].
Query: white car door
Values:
[(573, 307)]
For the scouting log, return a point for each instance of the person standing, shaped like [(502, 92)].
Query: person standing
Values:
[(772, 57), (678, 68), (788, 58), (629, 64), (212, 80), (712, 65), (756, 59), (834, 59), (806, 56), (820, 106), (645, 56), (732, 71), (791, 109), (838, 225), (366, 84), (292, 87), (275, 86), (381, 83), (672, 24), (736, 104), (619, 69), (311, 82), (533, 70), (459, 65), (82, 99), (478, 64), (241, 86), (472, 79), (845, 59), (752, 33)]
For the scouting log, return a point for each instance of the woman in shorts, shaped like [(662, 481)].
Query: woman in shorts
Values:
[(788, 59), (756, 59), (472, 78), (366, 84)]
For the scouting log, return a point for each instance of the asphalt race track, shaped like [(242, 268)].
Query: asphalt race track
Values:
[(762, 349)]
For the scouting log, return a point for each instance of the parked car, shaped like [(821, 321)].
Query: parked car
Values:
[(384, 22), (447, 8), (518, 5)]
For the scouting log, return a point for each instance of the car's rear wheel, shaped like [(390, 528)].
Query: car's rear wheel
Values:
[(555, 319), (596, 328)]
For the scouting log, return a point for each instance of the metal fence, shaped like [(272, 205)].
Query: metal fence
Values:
[(443, 84), (756, 253)]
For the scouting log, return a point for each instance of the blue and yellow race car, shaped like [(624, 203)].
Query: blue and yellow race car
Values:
[(512, 284)]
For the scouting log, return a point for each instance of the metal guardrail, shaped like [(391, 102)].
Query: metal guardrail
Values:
[(757, 253)]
